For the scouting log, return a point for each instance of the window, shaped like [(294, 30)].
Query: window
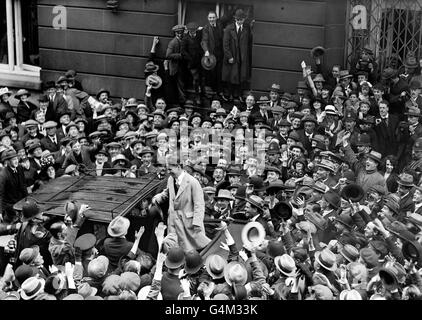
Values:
[(19, 44)]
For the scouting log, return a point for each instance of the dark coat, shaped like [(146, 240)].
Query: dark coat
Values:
[(241, 51), (192, 51), (86, 158), (406, 204), (58, 105), (386, 136), (24, 111), (48, 144), (4, 109), (174, 55), (115, 248), (12, 187), (212, 44), (391, 182)]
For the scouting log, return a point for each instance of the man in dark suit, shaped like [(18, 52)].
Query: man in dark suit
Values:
[(51, 141), (263, 111), (45, 107), (212, 43), (310, 129), (406, 204), (57, 104), (174, 56), (12, 185), (237, 45), (385, 130)]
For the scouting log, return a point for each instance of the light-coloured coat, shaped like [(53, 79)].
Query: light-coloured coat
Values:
[(186, 211)]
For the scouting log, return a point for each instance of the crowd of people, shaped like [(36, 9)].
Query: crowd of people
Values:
[(328, 175)]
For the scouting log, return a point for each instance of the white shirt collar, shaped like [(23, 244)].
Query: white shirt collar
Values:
[(180, 178), (254, 218)]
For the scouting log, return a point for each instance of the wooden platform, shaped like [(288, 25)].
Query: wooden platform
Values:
[(108, 197)]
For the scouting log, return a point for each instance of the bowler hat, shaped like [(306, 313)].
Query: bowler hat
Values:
[(412, 250), (282, 210), (274, 87), (235, 273), (215, 265), (332, 198), (30, 209), (175, 258), (352, 192), (317, 51), (193, 262), (118, 226), (274, 187), (24, 272), (286, 265), (345, 219), (326, 259), (209, 63)]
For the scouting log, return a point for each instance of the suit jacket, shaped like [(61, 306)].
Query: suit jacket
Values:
[(406, 204), (86, 158), (240, 49), (386, 136), (12, 187), (58, 105), (114, 249), (186, 211), (174, 55), (210, 43), (307, 144), (49, 145)]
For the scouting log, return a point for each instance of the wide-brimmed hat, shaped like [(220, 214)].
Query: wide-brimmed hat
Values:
[(286, 265), (22, 92), (345, 219), (5, 90), (235, 273), (150, 66), (399, 230), (274, 187), (224, 195), (154, 81), (326, 259), (118, 226), (298, 145), (175, 258), (412, 250), (7, 155), (215, 265), (330, 109), (193, 262), (209, 63), (31, 287), (253, 233), (405, 179), (375, 156)]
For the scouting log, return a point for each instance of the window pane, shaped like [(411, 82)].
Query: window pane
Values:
[(3, 33), (30, 32)]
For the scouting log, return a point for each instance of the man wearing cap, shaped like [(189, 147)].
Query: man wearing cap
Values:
[(192, 52), (32, 131), (398, 90), (147, 167), (415, 99), (255, 211), (408, 133), (175, 58), (237, 45), (50, 142)]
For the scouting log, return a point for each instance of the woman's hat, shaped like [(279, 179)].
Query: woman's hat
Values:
[(350, 253), (5, 90), (215, 265), (118, 226), (286, 265), (235, 273), (31, 287), (22, 92)]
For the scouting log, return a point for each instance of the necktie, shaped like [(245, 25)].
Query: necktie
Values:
[(54, 140), (176, 187)]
